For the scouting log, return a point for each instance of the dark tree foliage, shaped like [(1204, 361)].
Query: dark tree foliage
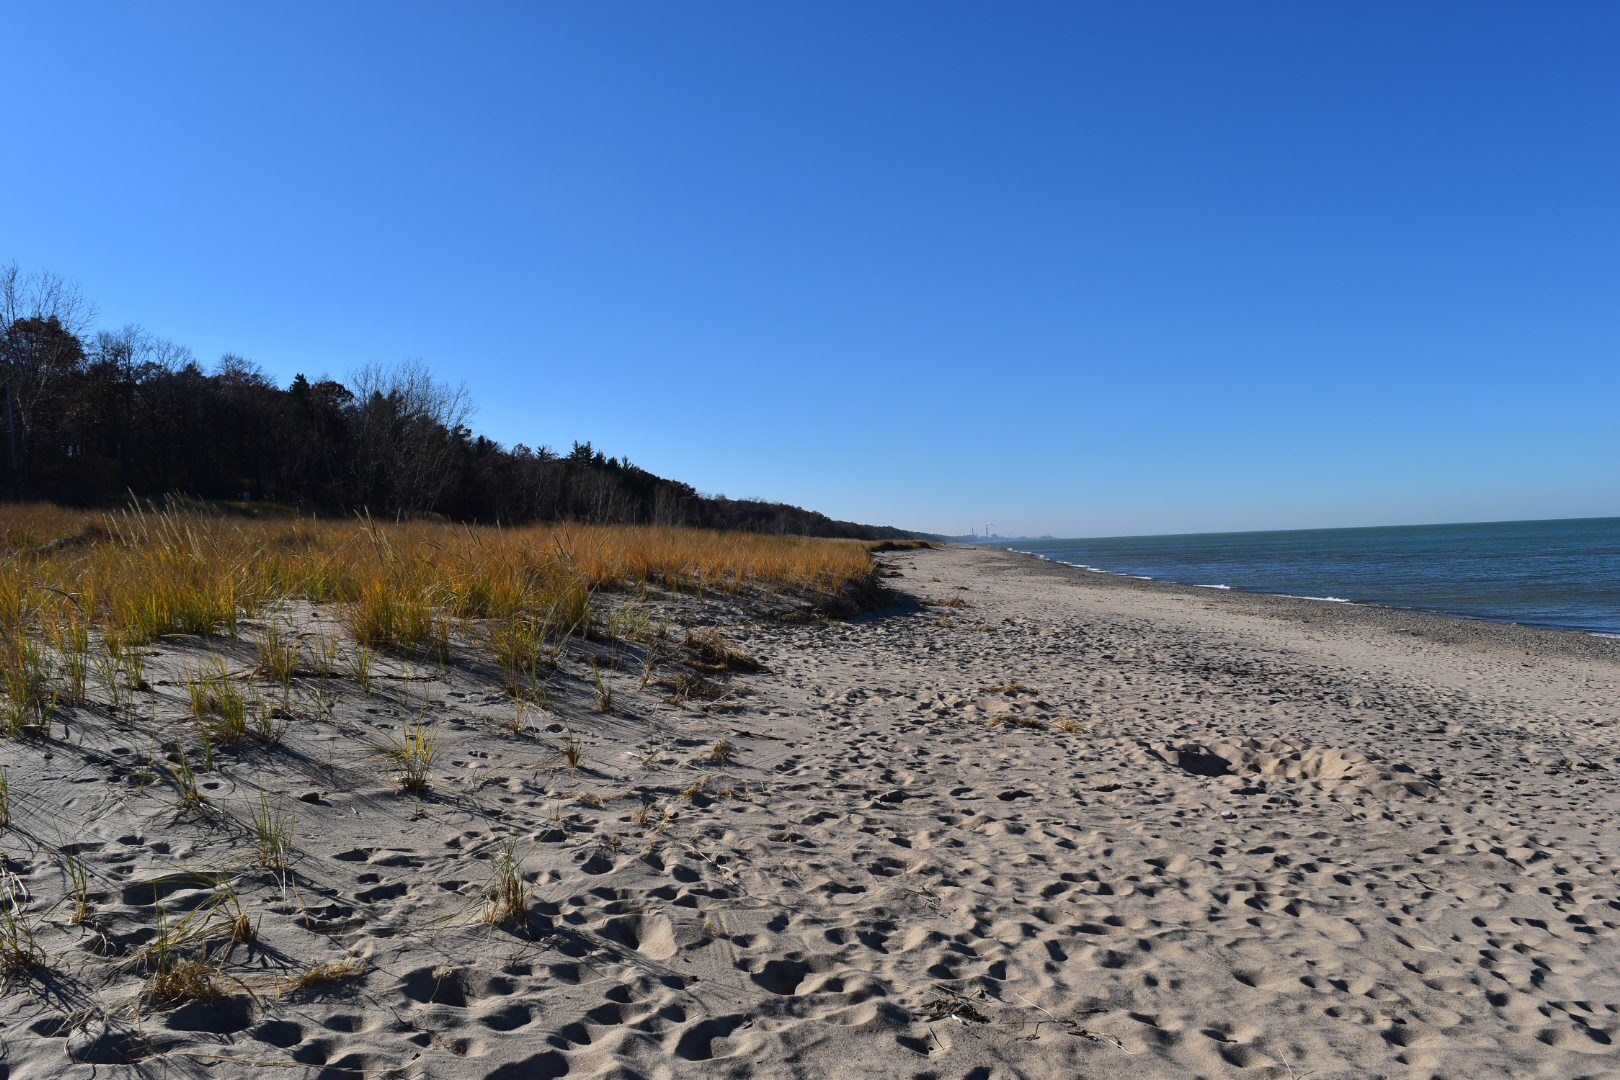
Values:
[(91, 419)]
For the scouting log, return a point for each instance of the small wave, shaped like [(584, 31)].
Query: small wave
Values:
[(1326, 599), (1197, 586), (1081, 566)]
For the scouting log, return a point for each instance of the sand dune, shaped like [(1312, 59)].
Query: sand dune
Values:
[(1023, 822)]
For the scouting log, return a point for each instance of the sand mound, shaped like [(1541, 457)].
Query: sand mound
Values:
[(1329, 768)]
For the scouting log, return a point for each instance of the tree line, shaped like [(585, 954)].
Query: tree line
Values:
[(91, 416)]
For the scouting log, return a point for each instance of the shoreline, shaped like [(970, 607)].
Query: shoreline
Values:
[(1454, 628), (1022, 820)]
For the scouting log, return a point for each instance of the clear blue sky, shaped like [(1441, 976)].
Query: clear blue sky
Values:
[(1071, 268)]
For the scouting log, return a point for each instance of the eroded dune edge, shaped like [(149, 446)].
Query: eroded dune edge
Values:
[(1018, 821)]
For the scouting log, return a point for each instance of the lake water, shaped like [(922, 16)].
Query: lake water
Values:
[(1563, 574)]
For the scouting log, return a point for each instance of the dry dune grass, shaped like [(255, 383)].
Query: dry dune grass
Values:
[(433, 617), (135, 575)]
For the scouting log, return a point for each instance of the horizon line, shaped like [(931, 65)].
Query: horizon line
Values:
[(1317, 528)]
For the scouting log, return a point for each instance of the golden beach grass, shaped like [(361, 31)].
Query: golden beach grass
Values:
[(135, 575)]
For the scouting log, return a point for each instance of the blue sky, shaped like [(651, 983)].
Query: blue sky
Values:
[(1081, 269)]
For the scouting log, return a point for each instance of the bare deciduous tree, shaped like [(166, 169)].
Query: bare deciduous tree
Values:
[(42, 320), (406, 419)]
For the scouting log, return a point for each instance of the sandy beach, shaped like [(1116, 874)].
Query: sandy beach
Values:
[(1019, 821)]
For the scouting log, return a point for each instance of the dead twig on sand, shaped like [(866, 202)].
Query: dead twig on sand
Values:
[(1068, 1026), (947, 1004)]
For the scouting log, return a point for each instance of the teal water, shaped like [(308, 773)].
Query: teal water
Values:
[(1563, 574)]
